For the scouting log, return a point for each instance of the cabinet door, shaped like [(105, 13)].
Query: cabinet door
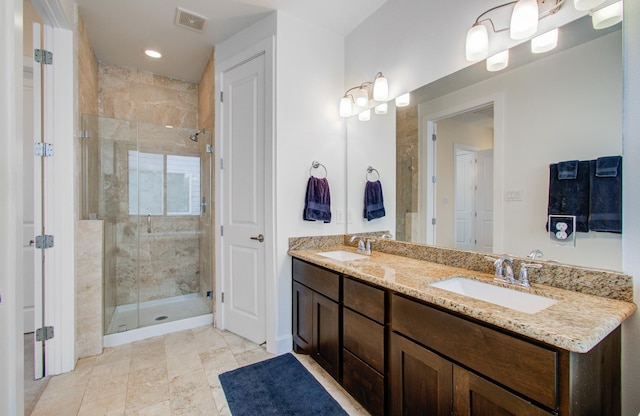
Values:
[(302, 318), (421, 381), (475, 396), (326, 333)]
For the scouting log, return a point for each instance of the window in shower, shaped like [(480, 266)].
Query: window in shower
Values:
[(148, 174)]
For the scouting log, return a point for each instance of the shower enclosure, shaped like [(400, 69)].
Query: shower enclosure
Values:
[(151, 187)]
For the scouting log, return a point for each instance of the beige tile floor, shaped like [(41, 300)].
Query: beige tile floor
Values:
[(174, 374)]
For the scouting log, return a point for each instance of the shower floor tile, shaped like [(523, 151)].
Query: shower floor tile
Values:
[(158, 312)]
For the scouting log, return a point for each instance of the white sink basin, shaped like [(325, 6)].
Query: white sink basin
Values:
[(509, 298), (342, 255)]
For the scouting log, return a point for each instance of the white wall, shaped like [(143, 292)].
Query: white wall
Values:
[(371, 143), (631, 202), (309, 85)]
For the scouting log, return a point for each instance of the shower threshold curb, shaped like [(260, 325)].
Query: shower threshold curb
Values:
[(138, 334)]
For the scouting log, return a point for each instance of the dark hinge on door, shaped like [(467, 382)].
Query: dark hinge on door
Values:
[(221, 164), (433, 221), (222, 300), (44, 241), (221, 230), (43, 57), (433, 137), (221, 96), (43, 334)]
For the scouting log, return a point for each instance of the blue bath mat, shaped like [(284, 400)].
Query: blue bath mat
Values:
[(278, 386)]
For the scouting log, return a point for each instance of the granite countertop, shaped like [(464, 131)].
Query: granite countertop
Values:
[(577, 322)]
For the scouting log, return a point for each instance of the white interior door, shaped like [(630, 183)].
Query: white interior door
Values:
[(38, 205), (28, 231), (484, 201), (243, 182), (464, 199)]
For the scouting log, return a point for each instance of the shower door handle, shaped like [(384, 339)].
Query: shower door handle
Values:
[(260, 238), (148, 223)]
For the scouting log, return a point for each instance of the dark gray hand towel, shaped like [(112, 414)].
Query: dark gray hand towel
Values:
[(373, 201), (570, 196), (317, 202), (605, 209)]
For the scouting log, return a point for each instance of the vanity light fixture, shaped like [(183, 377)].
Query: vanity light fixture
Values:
[(382, 108), (607, 16), (403, 100), (378, 89), (523, 24), (151, 53), (524, 19), (545, 42), (498, 61)]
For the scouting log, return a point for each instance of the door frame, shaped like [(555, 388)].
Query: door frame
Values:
[(267, 48), (446, 107)]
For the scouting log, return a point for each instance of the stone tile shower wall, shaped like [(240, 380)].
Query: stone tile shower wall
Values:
[(165, 262), (407, 170)]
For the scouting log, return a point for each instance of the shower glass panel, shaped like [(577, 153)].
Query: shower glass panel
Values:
[(151, 187)]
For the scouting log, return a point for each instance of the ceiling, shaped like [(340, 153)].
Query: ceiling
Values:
[(121, 29)]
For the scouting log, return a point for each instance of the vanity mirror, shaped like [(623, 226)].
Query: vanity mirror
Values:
[(545, 108)]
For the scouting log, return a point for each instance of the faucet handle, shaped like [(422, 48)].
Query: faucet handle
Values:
[(523, 276)]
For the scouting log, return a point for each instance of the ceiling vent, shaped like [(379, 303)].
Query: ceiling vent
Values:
[(190, 20)]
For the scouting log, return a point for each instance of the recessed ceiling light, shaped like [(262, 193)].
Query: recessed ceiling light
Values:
[(152, 54)]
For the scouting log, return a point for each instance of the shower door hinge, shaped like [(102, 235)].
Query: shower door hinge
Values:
[(209, 148), (42, 56), (221, 96), (84, 134), (44, 241), (43, 149), (433, 221), (43, 334)]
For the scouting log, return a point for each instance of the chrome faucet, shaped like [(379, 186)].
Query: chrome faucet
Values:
[(523, 276), (504, 270), (364, 244), (535, 254)]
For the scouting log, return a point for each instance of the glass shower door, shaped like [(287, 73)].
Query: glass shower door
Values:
[(151, 186)]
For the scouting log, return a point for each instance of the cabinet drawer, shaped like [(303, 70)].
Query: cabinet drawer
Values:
[(365, 299), (321, 280), (525, 367), (364, 338), (364, 383)]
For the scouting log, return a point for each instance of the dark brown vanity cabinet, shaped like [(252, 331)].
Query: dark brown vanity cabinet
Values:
[(316, 314), (439, 360), (398, 355), (363, 366)]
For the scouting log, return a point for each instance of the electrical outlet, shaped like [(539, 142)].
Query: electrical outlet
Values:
[(513, 195), (349, 216)]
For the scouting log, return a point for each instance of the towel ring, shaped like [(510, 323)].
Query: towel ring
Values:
[(315, 165), (370, 170)]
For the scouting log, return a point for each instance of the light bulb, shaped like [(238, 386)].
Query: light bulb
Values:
[(586, 4), (382, 108), (477, 46), (152, 54), (364, 115), (545, 42), (403, 100), (345, 107), (380, 88), (524, 19), (362, 97), (607, 16), (498, 61)]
